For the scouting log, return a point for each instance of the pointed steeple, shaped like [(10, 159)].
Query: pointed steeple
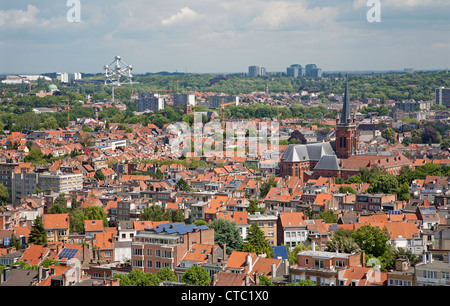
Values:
[(345, 116)]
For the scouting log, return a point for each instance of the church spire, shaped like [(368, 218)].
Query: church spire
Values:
[(345, 116)]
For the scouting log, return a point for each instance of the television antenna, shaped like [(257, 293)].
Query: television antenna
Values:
[(117, 75)]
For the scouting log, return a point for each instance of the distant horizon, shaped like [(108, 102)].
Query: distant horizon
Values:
[(235, 72)]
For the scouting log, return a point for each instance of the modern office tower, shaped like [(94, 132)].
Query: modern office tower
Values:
[(316, 72), (308, 69), (216, 101), (256, 71), (295, 70), (149, 102), (443, 96), (183, 99), (409, 70)]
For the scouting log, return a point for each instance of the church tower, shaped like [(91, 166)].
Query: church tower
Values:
[(346, 130)]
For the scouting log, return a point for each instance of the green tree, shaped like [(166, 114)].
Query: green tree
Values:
[(183, 185), (264, 280), (96, 213), (371, 240), (99, 176), (328, 216), (404, 192), (166, 274), (265, 187), (155, 213), (76, 217), (257, 242), (302, 282), (254, 207), (50, 123), (4, 195), (388, 134), (196, 275), (354, 179), (347, 189), (179, 216), (384, 183), (342, 242), (226, 232), (38, 235), (34, 156)]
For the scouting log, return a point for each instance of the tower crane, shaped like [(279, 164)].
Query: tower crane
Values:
[(222, 106), (5, 89)]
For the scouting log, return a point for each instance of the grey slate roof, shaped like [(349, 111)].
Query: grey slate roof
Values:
[(306, 152), (328, 162)]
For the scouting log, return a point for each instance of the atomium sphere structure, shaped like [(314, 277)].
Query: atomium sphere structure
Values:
[(118, 72)]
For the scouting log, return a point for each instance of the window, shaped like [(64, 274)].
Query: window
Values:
[(157, 264), (138, 252), (430, 274), (340, 263), (445, 275), (137, 263), (270, 224), (319, 264), (149, 264), (149, 252)]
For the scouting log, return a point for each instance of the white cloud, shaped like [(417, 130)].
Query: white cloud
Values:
[(19, 18), (184, 15), (284, 14)]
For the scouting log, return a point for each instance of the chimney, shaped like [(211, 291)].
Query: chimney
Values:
[(273, 270), (424, 258), (249, 262), (430, 257), (313, 246), (212, 254), (5, 275), (256, 279), (224, 251), (286, 266)]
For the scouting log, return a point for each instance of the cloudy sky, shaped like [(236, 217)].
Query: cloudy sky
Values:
[(223, 36)]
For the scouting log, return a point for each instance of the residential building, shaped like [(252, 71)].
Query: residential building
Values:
[(267, 223), (149, 102), (292, 229), (443, 96), (166, 245), (184, 99), (433, 271), (60, 182), (216, 101), (322, 268), (57, 227)]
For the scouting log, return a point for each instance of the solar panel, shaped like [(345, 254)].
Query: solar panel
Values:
[(67, 253)]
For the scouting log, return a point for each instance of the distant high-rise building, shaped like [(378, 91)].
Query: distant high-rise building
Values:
[(295, 70), (308, 69), (443, 96), (256, 71), (183, 99), (216, 101), (65, 77), (149, 102), (409, 70)]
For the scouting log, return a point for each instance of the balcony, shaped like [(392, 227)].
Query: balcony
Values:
[(435, 281)]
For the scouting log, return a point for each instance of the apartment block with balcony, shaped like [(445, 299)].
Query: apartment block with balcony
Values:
[(433, 270), (60, 182), (166, 245), (323, 267), (268, 224)]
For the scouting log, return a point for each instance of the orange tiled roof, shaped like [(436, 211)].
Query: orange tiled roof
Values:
[(55, 221)]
